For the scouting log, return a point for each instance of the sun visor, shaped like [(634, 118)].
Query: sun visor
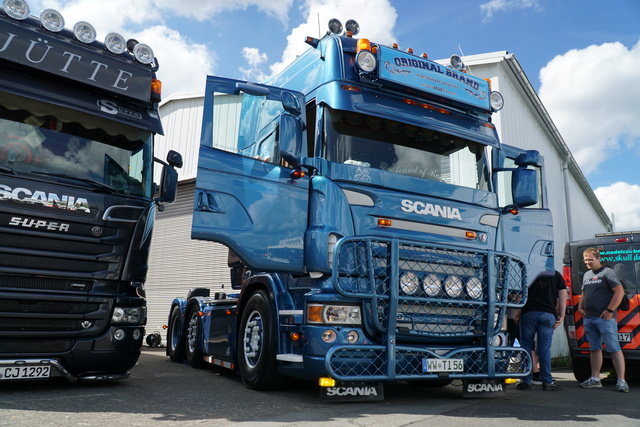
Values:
[(92, 110)]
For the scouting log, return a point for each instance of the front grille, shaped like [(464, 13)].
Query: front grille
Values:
[(427, 292)]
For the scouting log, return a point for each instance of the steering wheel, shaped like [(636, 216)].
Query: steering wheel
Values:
[(16, 151)]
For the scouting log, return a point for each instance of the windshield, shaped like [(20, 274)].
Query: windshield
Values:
[(369, 141), (44, 139)]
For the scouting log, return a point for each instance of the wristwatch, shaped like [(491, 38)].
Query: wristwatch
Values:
[(609, 310)]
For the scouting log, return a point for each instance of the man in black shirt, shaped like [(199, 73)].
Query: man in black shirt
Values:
[(541, 315)]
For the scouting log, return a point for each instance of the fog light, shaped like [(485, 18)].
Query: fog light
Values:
[(353, 337), (118, 334), (329, 336)]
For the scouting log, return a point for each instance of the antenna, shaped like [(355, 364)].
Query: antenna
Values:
[(462, 55), (319, 34)]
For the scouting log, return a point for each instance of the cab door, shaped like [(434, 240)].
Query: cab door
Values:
[(247, 196), (529, 233)]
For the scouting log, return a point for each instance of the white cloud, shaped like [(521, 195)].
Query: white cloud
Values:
[(376, 18), (204, 9), (494, 6), (593, 98), (623, 200), (256, 60)]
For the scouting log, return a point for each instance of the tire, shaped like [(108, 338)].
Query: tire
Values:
[(581, 368), (256, 345), (193, 338), (175, 337)]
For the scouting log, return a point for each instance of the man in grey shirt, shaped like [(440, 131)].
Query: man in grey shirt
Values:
[(602, 293)]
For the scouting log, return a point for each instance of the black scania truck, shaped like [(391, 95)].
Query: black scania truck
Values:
[(77, 125)]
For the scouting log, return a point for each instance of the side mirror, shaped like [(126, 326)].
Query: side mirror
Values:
[(528, 158), (169, 178), (524, 187), (290, 137)]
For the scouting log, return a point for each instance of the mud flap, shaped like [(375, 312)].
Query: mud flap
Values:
[(484, 388), (353, 392)]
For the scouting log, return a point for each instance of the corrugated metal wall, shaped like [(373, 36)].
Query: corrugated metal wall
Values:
[(177, 263)]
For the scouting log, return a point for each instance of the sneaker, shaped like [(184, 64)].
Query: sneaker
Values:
[(551, 386), (536, 379), (591, 383), (523, 386), (622, 386)]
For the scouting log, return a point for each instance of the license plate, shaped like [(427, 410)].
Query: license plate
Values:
[(24, 372), (442, 365), (624, 336)]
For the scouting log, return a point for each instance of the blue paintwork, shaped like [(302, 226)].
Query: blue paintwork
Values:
[(280, 227)]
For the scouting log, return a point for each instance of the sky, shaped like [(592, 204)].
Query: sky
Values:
[(581, 56)]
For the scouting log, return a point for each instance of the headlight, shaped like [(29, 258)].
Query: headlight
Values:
[(453, 286), (134, 315), (431, 285), (409, 283), (366, 61), (330, 314), (474, 288)]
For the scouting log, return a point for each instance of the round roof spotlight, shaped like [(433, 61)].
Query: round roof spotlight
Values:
[(16, 9), (335, 26), (352, 26), (456, 62), (496, 100), (52, 20), (366, 61), (143, 53), (115, 43), (84, 32)]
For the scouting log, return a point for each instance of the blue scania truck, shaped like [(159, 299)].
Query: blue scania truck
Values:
[(377, 228), (77, 207)]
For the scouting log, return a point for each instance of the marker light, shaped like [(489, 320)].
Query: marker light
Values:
[(52, 20), (326, 382), (115, 43), (352, 27), (496, 100), (16, 9), (143, 53), (84, 32), (383, 222), (335, 26)]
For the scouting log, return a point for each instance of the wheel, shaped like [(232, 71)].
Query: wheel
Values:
[(581, 368), (175, 337), (193, 338), (257, 345)]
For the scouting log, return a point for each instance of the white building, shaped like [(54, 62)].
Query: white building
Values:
[(178, 263)]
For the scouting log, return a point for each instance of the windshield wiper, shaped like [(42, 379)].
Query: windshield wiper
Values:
[(8, 170), (97, 184)]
